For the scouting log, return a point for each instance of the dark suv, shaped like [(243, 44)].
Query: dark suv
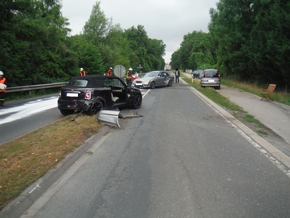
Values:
[(90, 94)]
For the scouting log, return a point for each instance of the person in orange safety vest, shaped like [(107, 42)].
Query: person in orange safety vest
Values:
[(2, 88), (83, 72), (109, 72)]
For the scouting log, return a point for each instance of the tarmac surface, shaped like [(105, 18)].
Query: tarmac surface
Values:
[(273, 115)]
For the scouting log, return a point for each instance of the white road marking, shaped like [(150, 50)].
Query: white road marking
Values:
[(28, 109)]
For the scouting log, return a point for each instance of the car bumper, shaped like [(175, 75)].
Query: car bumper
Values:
[(210, 84), (70, 104), (140, 86)]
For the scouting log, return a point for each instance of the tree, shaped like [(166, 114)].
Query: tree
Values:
[(252, 39), (144, 50), (195, 52), (33, 48), (88, 55), (98, 26)]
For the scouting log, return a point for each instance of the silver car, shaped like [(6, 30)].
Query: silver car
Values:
[(210, 78), (154, 79)]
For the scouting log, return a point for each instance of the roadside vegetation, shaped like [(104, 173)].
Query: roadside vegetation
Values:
[(26, 159), (241, 44), (37, 46)]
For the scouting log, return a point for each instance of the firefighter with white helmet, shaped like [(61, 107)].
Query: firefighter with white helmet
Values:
[(129, 76), (83, 72)]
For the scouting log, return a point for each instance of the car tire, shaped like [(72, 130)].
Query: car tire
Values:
[(137, 101), (170, 83), (152, 85), (217, 87), (96, 107), (66, 112)]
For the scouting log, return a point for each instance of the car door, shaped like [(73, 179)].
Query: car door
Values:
[(164, 79), (119, 91)]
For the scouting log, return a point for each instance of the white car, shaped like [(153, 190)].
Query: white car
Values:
[(154, 79)]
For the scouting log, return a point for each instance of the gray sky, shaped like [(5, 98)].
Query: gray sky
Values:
[(166, 20)]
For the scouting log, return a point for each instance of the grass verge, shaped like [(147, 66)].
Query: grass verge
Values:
[(281, 97), (26, 159)]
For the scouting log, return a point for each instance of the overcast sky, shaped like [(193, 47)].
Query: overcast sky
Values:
[(166, 20)]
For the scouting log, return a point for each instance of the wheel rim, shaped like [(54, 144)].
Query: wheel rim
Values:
[(96, 107), (138, 101)]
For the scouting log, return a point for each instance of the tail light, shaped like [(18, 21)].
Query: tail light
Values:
[(88, 95)]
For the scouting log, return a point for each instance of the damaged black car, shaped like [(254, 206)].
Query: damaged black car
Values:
[(90, 94)]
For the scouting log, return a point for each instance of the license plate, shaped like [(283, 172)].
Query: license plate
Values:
[(211, 80), (72, 95)]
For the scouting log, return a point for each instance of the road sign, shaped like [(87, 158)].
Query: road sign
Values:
[(119, 71)]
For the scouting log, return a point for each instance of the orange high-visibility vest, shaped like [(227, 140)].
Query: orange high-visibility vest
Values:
[(3, 80), (83, 73)]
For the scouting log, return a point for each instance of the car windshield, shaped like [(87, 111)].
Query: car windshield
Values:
[(197, 71), (152, 74), (113, 82), (210, 73), (87, 83)]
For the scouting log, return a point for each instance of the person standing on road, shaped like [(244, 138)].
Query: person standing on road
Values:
[(2, 88), (129, 76), (177, 75), (83, 72)]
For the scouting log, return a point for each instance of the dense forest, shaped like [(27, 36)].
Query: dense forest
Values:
[(248, 40), (36, 45)]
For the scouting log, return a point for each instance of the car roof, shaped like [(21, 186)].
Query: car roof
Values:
[(93, 81), (88, 77)]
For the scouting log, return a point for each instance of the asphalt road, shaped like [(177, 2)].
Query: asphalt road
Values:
[(19, 118), (181, 159)]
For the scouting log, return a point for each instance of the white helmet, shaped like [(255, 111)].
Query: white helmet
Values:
[(1, 73), (130, 68), (111, 68), (82, 69)]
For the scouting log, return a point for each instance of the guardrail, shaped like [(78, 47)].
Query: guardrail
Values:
[(34, 87)]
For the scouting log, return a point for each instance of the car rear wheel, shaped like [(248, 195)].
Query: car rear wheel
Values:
[(66, 112), (137, 102), (152, 85), (96, 107)]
